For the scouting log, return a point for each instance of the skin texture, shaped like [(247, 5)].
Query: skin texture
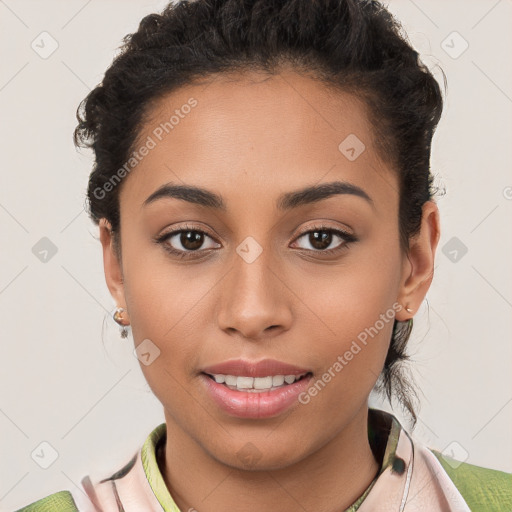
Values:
[(249, 139)]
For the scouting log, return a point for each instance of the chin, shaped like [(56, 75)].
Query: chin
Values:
[(252, 456)]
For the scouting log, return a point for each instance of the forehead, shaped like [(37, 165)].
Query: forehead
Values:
[(258, 132)]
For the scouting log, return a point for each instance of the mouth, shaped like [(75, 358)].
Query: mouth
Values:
[(257, 384), (255, 389)]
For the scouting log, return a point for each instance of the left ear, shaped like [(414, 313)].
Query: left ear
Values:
[(418, 268)]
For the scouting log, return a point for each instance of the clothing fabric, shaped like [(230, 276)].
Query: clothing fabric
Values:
[(411, 478)]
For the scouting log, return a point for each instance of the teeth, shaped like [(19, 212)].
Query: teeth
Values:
[(244, 382), (230, 380), (254, 384), (263, 382), (278, 380)]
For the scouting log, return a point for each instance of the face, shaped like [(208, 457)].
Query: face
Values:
[(255, 279)]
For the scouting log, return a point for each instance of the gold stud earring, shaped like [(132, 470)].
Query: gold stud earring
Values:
[(408, 309), (118, 317)]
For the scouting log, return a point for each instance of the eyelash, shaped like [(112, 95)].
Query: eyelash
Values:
[(348, 238)]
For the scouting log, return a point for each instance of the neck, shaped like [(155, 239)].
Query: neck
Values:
[(328, 480)]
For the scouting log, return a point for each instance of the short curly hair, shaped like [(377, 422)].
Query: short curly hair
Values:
[(356, 46)]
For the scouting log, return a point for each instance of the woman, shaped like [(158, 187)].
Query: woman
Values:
[(268, 255)]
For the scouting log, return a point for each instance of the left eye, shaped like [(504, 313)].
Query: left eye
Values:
[(321, 238)]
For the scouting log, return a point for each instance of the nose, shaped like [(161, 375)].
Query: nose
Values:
[(254, 301)]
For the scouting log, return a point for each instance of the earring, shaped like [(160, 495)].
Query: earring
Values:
[(118, 317), (408, 309)]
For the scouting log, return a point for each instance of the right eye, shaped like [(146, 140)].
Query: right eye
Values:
[(185, 241)]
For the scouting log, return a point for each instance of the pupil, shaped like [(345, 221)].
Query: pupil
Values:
[(191, 240), (322, 241)]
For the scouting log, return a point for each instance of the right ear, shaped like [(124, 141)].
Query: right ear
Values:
[(111, 264)]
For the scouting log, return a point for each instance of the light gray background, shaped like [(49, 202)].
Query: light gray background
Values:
[(60, 384)]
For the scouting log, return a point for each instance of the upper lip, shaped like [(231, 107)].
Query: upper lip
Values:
[(263, 368)]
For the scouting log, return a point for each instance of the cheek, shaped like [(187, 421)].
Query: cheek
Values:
[(353, 295), (158, 294), (355, 308), (171, 322), (167, 306), (357, 330)]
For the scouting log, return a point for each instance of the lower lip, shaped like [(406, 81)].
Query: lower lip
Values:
[(255, 405)]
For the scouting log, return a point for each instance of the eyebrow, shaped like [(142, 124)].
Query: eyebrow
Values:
[(287, 201)]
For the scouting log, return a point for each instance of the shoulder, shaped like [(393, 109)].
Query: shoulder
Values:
[(130, 482), (483, 489), (59, 502)]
